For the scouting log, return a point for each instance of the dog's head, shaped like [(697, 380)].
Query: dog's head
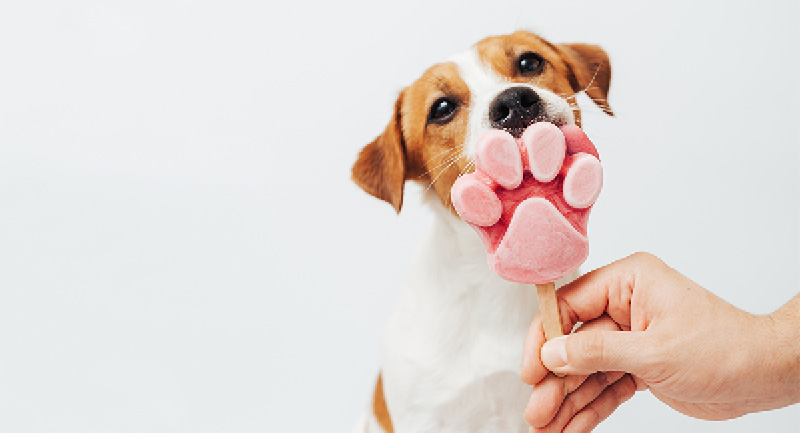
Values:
[(503, 82)]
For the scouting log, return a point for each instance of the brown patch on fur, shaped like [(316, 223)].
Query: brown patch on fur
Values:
[(380, 168), (436, 149), (592, 71), (379, 408)]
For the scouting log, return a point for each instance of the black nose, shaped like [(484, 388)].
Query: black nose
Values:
[(514, 109)]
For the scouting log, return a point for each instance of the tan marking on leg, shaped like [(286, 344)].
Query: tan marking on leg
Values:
[(379, 408)]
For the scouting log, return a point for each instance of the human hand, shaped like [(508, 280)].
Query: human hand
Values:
[(647, 326)]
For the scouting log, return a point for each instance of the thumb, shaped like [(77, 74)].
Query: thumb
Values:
[(591, 351)]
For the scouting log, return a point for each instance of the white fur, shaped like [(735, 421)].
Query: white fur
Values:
[(453, 347)]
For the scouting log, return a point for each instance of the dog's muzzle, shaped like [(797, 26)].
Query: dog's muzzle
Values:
[(514, 109)]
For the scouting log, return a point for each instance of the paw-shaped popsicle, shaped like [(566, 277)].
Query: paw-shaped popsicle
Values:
[(529, 199)]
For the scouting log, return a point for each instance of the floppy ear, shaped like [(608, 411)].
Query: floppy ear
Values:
[(592, 72), (380, 168)]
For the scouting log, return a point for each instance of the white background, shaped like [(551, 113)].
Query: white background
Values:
[(181, 249)]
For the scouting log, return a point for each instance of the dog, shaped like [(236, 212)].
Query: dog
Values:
[(452, 349)]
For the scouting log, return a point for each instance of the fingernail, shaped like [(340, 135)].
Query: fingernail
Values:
[(554, 353)]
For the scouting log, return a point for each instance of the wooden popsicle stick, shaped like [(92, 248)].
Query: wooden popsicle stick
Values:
[(548, 306)]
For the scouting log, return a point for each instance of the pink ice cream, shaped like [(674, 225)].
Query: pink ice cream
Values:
[(529, 200)]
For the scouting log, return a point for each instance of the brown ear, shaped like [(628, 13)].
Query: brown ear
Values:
[(592, 71), (381, 168)]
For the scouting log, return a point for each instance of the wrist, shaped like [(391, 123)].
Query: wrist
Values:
[(785, 324), (776, 359)]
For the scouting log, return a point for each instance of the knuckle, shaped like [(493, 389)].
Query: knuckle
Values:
[(569, 407), (602, 379), (645, 258), (623, 390), (615, 394), (571, 382), (531, 416), (628, 388), (593, 417), (544, 402), (528, 375)]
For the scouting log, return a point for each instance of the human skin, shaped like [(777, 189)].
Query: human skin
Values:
[(646, 326)]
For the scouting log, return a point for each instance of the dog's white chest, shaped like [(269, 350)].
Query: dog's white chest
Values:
[(453, 347)]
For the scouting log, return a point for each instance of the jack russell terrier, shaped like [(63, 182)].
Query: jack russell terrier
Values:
[(452, 350)]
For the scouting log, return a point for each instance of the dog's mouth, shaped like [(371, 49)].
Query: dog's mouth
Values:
[(559, 119), (516, 131)]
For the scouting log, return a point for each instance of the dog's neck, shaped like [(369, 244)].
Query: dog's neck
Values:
[(451, 267), (452, 261)]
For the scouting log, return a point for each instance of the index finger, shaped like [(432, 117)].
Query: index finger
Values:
[(604, 290)]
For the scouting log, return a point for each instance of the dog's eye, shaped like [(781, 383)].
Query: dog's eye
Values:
[(530, 64), (442, 110)]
